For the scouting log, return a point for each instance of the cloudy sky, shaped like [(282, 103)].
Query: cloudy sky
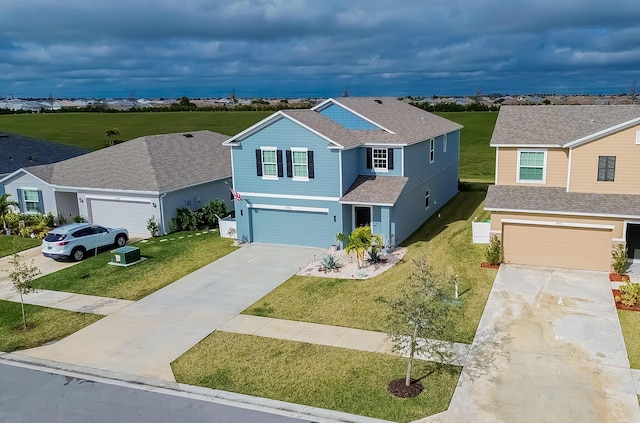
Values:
[(278, 48)]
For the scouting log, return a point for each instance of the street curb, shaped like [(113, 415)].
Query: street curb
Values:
[(233, 399)]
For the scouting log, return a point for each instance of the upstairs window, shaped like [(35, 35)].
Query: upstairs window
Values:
[(606, 168), (531, 165), (269, 162), (432, 150), (380, 159)]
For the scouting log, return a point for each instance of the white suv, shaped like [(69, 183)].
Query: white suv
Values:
[(76, 239)]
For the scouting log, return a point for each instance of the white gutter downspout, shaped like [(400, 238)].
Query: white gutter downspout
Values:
[(162, 217)]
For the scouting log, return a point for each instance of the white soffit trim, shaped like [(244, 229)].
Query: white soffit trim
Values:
[(288, 208), (558, 224), (360, 203), (604, 132), (288, 196), (561, 213), (331, 100), (116, 198)]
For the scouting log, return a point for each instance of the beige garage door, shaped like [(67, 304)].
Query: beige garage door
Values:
[(553, 246)]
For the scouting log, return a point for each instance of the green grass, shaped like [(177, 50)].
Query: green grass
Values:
[(87, 130), (320, 376), (477, 159), (48, 325), (444, 241), (15, 244), (630, 322), (167, 262)]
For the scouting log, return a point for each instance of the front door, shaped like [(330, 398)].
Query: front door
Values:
[(362, 216), (633, 240)]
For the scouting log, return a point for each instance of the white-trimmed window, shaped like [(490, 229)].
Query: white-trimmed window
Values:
[(432, 150), (532, 166), (31, 200), (444, 143), (427, 195), (269, 162), (300, 164), (380, 158)]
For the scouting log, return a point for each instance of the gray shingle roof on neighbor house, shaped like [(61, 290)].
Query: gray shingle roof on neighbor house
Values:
[(557, 200), (408, 123), (156, 163), (375, 190), (17, 151), (556, 125)]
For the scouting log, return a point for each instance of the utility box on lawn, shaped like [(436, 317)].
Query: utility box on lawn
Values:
[(126, 255)]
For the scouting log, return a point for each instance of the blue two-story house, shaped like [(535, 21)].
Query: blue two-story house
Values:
[(306, 175)]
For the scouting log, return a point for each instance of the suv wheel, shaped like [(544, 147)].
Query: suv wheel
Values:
[(77, 254), (121, 240)]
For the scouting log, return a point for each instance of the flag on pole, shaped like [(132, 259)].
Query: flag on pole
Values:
[(235, 194)]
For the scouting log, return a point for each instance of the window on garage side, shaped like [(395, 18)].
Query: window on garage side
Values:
[(531, 165), (606, 168), (31, 201), (427, 199)]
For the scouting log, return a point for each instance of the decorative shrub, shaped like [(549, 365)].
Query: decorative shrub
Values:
[(629, 294), (188, 220), (173, 225), (61, 220), (209, 212), (78, 219), (374, 256), (153, 226), (49, 220), (493, 252), (329, 263), (619, 256)]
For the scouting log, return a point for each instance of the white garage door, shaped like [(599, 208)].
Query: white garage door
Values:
[(132, 215)]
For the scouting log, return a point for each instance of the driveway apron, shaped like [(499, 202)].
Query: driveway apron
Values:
[(549, 348), (145, 337)]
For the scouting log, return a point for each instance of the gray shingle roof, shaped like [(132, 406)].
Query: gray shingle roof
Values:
[(375, 190), (556, 125), (17, 151), (155, 163), (557, 200)]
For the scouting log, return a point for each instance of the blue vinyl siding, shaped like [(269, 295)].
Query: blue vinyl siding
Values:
[(284, 134), (352, 163), (347, 119)]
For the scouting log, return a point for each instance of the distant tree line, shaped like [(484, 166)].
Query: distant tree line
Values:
[(455, 107)]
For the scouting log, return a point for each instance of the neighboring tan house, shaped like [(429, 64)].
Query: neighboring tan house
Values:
[(306, 175), (567, 184), (127, 184)]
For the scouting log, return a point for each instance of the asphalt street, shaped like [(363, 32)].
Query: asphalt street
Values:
[(34, 396)]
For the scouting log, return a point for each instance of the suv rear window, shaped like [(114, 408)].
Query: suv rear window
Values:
[(54, 237)]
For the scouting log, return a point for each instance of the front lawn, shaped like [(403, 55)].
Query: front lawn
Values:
[(15, 244), (169, 258), (49, 325), (446, 243), (319, 376), (630, 322)]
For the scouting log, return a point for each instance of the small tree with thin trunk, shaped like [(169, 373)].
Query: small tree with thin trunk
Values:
[(422, 311), (360, 240), (5, 207), (22, 276), (111, 134)]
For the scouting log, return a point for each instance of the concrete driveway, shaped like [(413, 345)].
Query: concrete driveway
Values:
[(145, 337), (549, 348), (46, 265)]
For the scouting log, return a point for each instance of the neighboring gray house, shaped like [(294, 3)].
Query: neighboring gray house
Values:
[(18, 151), (127, 184)]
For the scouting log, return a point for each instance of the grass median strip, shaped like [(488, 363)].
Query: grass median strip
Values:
[(630, 322), (319, 376), (169, 259), (47, 325), (446, 243)]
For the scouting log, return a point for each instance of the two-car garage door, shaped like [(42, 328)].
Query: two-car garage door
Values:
[(132, 215), (570, 247)]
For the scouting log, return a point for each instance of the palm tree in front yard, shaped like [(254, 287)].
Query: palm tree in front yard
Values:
[(6, 206), (360, 240)]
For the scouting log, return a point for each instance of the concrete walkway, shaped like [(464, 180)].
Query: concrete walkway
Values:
[(334, 336), (145, 337), (549, 348)]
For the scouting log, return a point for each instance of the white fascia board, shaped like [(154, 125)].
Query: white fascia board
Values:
[(145, 200), (558, 224), (604, 132), (384, 144), (287, 196), (234, 139), (527, 145), (288, 208), (87, 189), (331, 100), (562, 213), (198, 183), (360, 203)]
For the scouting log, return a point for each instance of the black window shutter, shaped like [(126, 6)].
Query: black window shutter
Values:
[(40, 202), (289, 164), (611, 168), (280, 173), (390, 159), (312, 173), (602, 161), (258, 162), (369, 158), (20, 201)]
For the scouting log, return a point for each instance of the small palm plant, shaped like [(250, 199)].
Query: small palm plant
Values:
[(5, 207), (361, 240)]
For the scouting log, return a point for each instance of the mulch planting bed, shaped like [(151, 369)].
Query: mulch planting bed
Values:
[(621, 306), (399, 389)]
